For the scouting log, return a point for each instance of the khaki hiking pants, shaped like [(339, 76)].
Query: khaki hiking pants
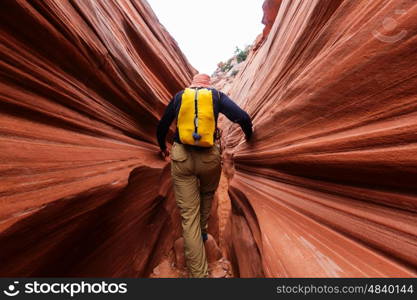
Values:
[(196, 175)]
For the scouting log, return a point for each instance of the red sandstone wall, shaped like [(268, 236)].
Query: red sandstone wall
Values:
[(328, 186), (82, 86)]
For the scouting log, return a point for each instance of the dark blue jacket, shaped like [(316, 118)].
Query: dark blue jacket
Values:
[(222, 104)]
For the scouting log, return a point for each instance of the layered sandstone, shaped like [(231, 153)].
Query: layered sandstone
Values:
[(327, 186), (83, 85)]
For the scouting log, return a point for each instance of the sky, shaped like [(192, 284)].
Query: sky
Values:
[(208, 31)]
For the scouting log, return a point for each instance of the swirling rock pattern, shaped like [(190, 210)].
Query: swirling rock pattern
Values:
[(82, 86), (328, 186)]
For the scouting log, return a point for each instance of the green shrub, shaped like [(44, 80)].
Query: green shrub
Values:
[(241, 55), (225, 67)]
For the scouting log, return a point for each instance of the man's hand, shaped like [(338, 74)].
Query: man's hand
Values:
[(249, 138), (164, 153)]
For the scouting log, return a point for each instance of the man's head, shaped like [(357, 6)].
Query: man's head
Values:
[(201, 80)]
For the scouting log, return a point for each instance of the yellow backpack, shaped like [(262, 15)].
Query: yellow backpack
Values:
[(196, 121)]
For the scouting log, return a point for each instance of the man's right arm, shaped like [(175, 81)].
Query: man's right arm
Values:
[(235, 114), (165, 123)]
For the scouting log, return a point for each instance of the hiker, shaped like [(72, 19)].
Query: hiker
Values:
[(196, 159)]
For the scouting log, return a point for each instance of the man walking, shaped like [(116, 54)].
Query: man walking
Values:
[(195, 159)]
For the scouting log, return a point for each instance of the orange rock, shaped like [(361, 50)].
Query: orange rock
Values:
[(83, 85), (213, 252), (327, 186), (217, 271)]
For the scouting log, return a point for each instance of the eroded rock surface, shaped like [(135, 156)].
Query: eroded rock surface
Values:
[(83, 85), (327, 186)]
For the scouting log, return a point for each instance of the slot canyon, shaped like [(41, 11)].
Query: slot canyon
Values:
[(327, 186)]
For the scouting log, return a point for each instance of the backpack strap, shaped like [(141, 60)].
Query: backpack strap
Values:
[(217, 132)]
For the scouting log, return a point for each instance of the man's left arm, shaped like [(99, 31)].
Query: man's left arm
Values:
[(235, 114)]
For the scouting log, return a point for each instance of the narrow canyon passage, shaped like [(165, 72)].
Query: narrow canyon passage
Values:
[(327, 187)]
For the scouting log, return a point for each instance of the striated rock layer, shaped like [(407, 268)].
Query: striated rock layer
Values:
[(82, 86), (327, 188)]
